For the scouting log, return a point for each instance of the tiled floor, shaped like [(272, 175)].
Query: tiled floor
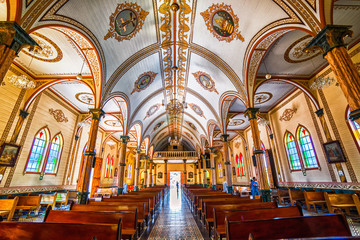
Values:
[(175, 220)]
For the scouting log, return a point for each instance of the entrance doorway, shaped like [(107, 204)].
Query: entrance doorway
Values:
[(174, 178)]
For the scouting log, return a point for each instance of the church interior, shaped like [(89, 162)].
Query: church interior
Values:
[(179, 119)]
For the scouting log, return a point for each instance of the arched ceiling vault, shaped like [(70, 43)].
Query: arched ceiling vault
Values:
[(185, 70)]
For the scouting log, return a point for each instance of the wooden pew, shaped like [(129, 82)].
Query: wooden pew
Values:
[(296, 196), (283, 196), (104, 192), (58, 231), (243, 191), (253, 214), (123, 200), (72, 198), (30, 203), (203, 200), (313, 199), (7, 207), (344, 201), (293, 227), (129, 220), (48, 200), (62, 198)]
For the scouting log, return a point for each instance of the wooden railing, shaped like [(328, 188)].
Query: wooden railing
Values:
[(166, 155)]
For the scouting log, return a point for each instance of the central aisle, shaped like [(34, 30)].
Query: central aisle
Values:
[(175, 220)]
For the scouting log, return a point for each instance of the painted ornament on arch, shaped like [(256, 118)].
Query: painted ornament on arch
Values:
[(197, 110), (158, 125), (126, 21), (113, 123), (86, 98), (143, 81), (262, 97), (205, 81), (191, 125), (296, 54), (153, 109), (221, 21), (236, 122), (58, 115), (287, 114)]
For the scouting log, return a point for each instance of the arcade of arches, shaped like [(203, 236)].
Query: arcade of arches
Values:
[(119, 94)]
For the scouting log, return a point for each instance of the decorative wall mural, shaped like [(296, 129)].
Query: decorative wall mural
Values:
[(126, 21), (236, 122), (143, 81), (197, 110), (158, 125), (205, 81), (222, 22), (153, 109), (262, 97), (296, 54), (287, 114), (87, 98), (50, 52), (58, 115), (191, 125), (113, 123)]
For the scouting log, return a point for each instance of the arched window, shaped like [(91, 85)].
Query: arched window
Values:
[(292, 152), (129, 171), (54, 154), (307, 148), (107, 167), (240, 165), (220, 170), (37, 151), (355, 127), (111, 166)]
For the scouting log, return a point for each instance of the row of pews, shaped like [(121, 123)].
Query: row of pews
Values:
[(117, 217), (232, 217)]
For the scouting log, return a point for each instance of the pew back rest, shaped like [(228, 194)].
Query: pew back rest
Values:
[(314, 196), (344, 198), (255, 214), (48, 197), (296, 194), (62, 196), (283, 193), (58, 231), (294, 227), (208, 210), (126, 205), (9, 206), (116, 199), (29, 200)]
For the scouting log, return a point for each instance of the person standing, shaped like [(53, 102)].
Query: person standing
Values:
[(254, 186), (177, 186)]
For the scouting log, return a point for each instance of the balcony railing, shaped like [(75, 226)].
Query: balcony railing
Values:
[(169, 155)]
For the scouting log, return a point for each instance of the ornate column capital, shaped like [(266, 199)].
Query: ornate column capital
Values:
[(320, 112), (124, 138), (251, 113), (138, 150), (13, 36), (97, 113), (184, 160), (23, 114), (271, 136), (224, 137), (212, 149), (330, 37), (165, 161)]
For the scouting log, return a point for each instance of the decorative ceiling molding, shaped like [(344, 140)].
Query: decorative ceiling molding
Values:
[(197, 110), (295, 52), (86, 98), (153, 109), (221, 21), (144, 81), (126, 21), (262, 97), (205, 81)]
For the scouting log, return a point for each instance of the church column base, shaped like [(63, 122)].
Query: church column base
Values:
[(136, 188), (144, 186), (205, 185), (265, 194), (213, 187), (120, 191), (82, 197), (229, 189)]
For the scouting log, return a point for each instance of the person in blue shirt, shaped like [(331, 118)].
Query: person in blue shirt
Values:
[(254, 186), (177, 186)]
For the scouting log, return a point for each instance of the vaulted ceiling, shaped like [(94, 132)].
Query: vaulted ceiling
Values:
[(165, 69)]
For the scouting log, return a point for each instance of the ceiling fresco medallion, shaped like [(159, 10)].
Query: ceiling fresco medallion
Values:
[(222, 22), (50, 52), (295, 53), (157, 126), (191, 125), (262, 97), (86, 98), (287, 114), (153, 109), (126, 21), (236, 122), (113, 123), (197, 110), (143, 81), (205, 81)]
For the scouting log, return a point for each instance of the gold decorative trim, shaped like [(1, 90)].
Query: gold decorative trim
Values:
[(137, 85), (59, 54), (231, 29), (58, 115), (140, 16), (299, 50), (288, 114), (209, 87)]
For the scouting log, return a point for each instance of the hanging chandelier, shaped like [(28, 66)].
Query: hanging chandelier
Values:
[(322, 82), (21, 81)]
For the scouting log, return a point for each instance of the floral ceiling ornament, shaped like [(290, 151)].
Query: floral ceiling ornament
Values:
[(197, 110), (113, 123), (143, 81), (58, 115), (205, 81), (86, 98), (296, 54), (262, 97), (288, 114), (236, 122), (153, 109), (126, 21), (222, 22)]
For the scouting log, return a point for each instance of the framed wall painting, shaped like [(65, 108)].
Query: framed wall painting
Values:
[(191, 175), (160, 175), (334, 152), (9, 154)]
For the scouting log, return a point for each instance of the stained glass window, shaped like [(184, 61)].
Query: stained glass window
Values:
[(107, 167), (37, 152), (111, 166), (54, 154), (355, 127), (292, 152), (220, 170), (129, 171), (307, 149), (240, 165)]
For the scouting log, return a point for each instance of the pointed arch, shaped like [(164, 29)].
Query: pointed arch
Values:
[(292, 151), (306, 148), (54, 154), (354, 128)]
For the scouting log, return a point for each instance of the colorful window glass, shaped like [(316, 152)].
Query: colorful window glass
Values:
[(129, 171), (240, 165), (107, 167), (37, 152), (307, 149), (220, 170), (292, 152), (356, 129), (111, 167), (54, 154)]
